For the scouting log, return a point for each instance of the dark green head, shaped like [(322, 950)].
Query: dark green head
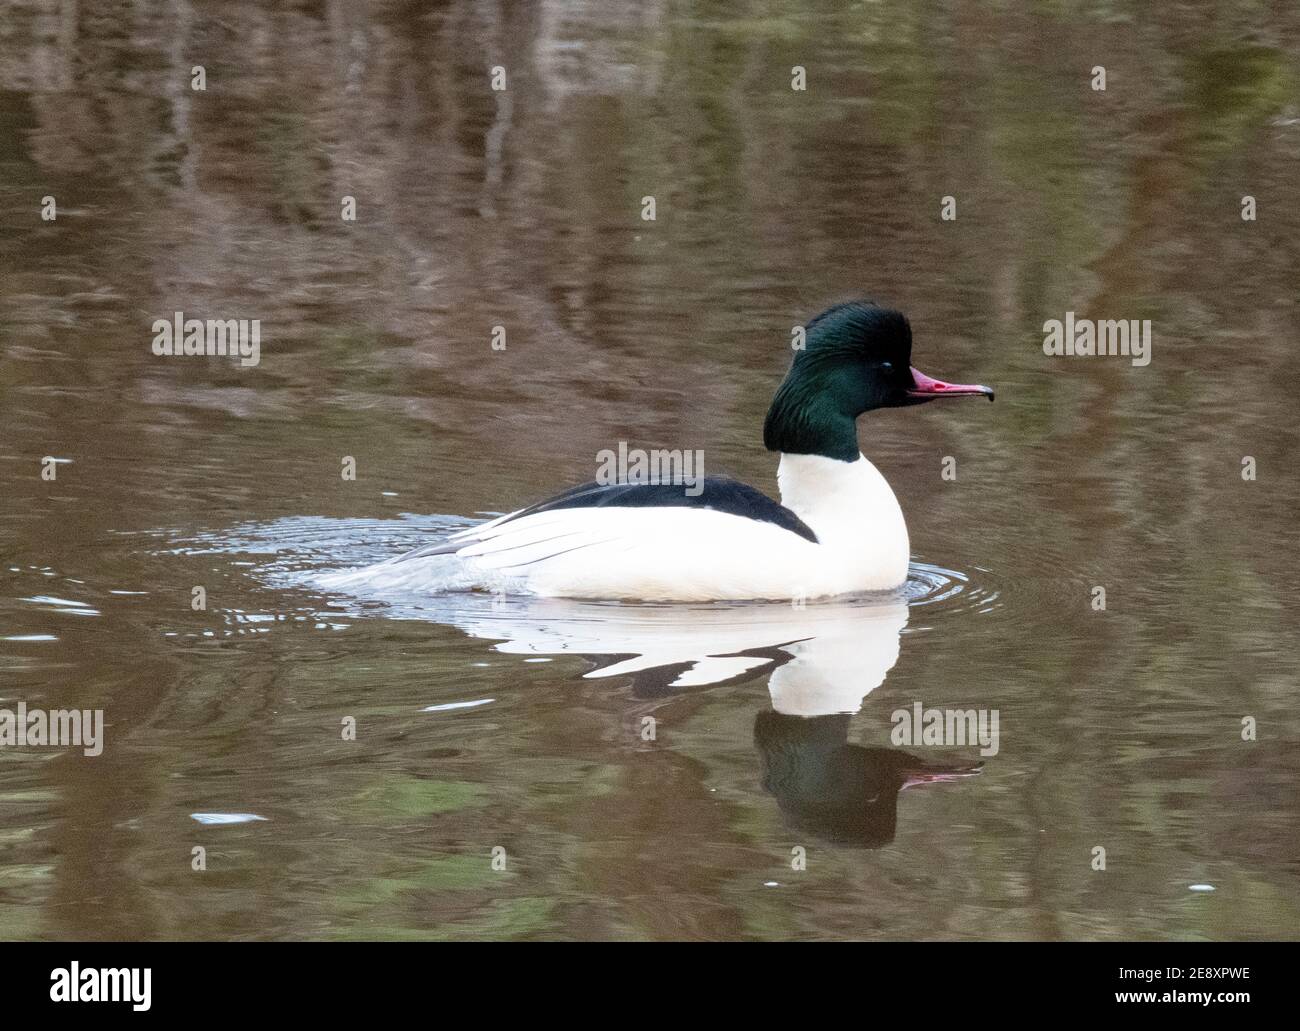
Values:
[(856, 357)]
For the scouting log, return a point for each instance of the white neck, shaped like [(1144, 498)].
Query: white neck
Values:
[(853, 512)]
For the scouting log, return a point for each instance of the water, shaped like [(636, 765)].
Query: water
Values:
[(520, 725)]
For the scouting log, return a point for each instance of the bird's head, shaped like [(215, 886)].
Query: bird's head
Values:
[(856, 357)]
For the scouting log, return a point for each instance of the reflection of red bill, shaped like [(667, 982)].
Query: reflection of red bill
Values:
[(939, 775)]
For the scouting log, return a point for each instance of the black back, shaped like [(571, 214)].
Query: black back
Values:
[(720, 493)]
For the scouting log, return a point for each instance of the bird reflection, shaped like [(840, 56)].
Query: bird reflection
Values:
[(821, 662), (836, 790), (824, 658)]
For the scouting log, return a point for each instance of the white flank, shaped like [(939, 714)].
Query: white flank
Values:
[(679, 554)]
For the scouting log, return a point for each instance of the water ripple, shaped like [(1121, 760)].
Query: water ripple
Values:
[(936, 590)]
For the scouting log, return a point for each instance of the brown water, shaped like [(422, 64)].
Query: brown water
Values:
[(1119, 729)]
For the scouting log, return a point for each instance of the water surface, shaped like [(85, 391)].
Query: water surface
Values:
[(520, 725)]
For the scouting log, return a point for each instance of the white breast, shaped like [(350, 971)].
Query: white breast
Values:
[(853, 511)]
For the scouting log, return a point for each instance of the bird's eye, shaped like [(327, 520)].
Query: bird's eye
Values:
[(886, 365)]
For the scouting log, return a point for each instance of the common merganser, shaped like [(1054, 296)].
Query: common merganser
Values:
[(838, 529)]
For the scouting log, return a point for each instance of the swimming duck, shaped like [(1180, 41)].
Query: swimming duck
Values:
[(838, 529)]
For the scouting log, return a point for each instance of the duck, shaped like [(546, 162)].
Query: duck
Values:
[(838, 529)]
